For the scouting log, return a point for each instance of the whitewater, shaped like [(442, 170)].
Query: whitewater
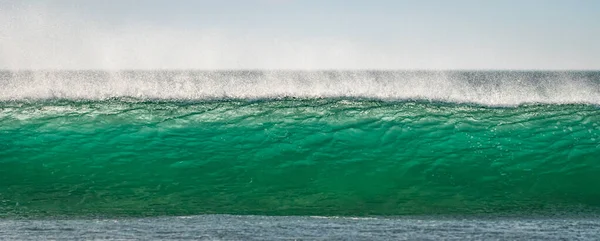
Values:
[(493, 88)]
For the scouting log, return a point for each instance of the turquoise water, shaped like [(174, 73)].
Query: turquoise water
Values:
[(87, 154), (295, 157)]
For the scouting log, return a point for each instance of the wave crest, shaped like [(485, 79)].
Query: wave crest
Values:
[(487, 88)]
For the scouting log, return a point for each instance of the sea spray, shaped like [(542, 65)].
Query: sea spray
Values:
[(492, 88)]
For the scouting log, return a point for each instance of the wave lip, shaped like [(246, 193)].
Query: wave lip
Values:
[(494, 88)]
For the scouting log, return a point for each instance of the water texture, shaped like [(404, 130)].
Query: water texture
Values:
[(227, 227)]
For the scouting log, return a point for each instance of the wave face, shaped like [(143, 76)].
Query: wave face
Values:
[(292, 156), (487, 88)]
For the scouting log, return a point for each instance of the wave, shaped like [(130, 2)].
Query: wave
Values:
[(494, 88), (317, 157)]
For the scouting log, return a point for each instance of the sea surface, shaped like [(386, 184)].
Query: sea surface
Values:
[(426, 155), (228, 227)]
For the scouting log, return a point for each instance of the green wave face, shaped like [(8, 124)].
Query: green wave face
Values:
[(296, 157)]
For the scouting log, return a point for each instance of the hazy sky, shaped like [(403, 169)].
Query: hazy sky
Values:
[(300, 34)]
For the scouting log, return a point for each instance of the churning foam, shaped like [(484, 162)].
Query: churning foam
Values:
[(488, 88)]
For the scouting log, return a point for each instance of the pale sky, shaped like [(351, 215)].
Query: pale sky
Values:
[(300, 34)]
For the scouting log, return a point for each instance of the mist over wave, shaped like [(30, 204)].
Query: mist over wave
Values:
[(501, 88), (43, 35)]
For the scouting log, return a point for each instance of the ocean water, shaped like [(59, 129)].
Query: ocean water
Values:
[(227, 227), (365, 150)]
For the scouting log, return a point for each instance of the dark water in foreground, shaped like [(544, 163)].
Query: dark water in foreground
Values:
[(225, 227)]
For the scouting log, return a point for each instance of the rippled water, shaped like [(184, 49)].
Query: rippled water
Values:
[(225, 227)]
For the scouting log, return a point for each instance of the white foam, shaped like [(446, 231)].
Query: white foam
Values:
[(488, 88)]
